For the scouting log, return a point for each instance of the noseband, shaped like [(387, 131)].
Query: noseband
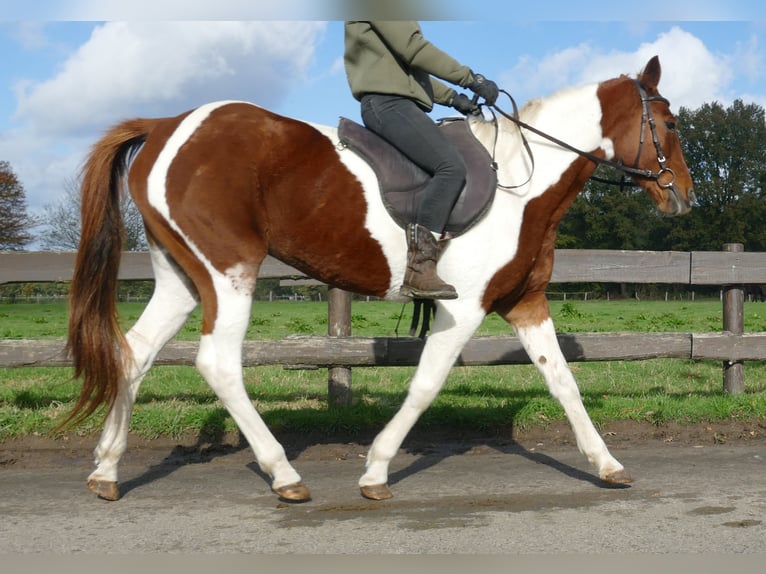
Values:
[(646, 119)]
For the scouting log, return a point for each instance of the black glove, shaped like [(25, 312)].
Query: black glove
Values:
[(484, 88), (464, 105)]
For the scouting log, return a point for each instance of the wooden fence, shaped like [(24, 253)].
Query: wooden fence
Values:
[(731, 269)]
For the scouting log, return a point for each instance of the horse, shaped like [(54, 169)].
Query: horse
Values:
[(222, 186)]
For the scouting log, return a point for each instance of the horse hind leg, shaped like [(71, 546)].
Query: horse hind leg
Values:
[(540, 341), (168, 309), (220, 362)]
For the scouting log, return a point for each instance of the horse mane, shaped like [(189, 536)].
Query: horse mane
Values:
[(484, 128)]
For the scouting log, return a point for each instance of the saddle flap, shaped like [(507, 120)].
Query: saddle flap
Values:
[(396, 173), (400, 180)]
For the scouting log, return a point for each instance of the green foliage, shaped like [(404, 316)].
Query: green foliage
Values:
[(299, 326), (725, 152), (15, 224), (604, 216), (726, 155), (569, 310)]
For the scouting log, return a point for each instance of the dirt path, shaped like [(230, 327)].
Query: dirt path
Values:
[(698, 489), (33, 451)]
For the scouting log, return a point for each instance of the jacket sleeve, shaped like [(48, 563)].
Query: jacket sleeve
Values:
[(406, 41), (443, 94)]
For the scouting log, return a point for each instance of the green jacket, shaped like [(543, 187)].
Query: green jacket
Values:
[(393, 57)]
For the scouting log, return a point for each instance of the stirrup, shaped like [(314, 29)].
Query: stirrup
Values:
[(445, 292)]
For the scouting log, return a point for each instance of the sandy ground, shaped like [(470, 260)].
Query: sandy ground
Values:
[(698, 489)]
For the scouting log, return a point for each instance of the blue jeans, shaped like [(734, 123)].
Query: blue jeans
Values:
[(408, 128)]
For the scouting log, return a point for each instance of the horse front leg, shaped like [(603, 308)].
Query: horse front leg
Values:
[(533, 324), (452, 328)]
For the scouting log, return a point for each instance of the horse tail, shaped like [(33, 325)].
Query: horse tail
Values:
[(95, 340)]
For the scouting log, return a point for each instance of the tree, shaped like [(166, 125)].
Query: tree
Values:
[(15, 224), (62, 222), (607, 216), (726, 155)]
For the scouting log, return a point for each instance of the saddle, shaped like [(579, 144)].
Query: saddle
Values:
[(401, 181)]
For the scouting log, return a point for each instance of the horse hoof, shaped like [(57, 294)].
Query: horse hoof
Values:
[(296, 492), (106, 489), (376, 491), (617, 477)]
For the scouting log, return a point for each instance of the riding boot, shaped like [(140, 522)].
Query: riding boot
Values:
[(420, 278)]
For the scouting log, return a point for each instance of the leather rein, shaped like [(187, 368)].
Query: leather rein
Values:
[(646, 119)]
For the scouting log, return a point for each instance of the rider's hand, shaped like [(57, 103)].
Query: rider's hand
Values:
[(464, 105), (484, 88)]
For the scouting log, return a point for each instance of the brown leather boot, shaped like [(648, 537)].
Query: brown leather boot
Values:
[(420, 278)]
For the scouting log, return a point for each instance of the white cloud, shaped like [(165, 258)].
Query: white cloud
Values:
[(162, 68), (534, 77), (749, 59), (338, 68), (691, 74), (146, 69), (31, 35)]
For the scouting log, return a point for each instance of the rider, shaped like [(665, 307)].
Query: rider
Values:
[(392, 70)]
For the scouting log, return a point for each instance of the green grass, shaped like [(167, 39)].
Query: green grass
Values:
[(175, 401), (274, 320)]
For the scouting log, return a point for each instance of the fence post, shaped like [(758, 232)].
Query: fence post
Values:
[(338, 325), (734, 322)]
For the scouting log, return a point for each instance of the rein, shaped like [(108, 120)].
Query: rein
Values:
[(646, 119)]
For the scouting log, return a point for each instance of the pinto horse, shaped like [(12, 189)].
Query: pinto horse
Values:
[(224, 185)]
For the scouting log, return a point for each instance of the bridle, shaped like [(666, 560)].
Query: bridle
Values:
[(647, 119)]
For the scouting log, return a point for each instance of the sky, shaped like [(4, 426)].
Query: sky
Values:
[(72, 69)]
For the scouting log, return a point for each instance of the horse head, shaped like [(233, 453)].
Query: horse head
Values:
[(647, 145)]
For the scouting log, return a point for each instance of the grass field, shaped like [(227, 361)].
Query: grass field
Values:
[(175, 400)]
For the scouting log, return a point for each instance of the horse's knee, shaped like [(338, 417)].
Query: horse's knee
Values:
[(205, 360)]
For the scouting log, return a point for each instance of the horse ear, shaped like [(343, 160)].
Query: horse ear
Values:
[(650, 76)]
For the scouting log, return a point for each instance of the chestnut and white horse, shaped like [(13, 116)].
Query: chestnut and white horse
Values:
[(222, 186)]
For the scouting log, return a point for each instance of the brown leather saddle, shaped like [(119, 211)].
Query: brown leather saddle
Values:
[(400, 180)]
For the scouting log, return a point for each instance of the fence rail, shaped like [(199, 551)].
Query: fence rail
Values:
[(316, 351), (571, 266), (732, 269)]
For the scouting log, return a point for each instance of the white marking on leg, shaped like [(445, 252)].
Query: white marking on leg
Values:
[(220, 362), (544, 351), (167, 311), (242, 277), (453, 326)]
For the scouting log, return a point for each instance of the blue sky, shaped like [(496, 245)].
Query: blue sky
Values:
[(71, 69)]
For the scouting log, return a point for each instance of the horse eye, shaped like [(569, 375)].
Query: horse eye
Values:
[(671, 126)]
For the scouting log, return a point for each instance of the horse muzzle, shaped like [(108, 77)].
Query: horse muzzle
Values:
[(678, 202)]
